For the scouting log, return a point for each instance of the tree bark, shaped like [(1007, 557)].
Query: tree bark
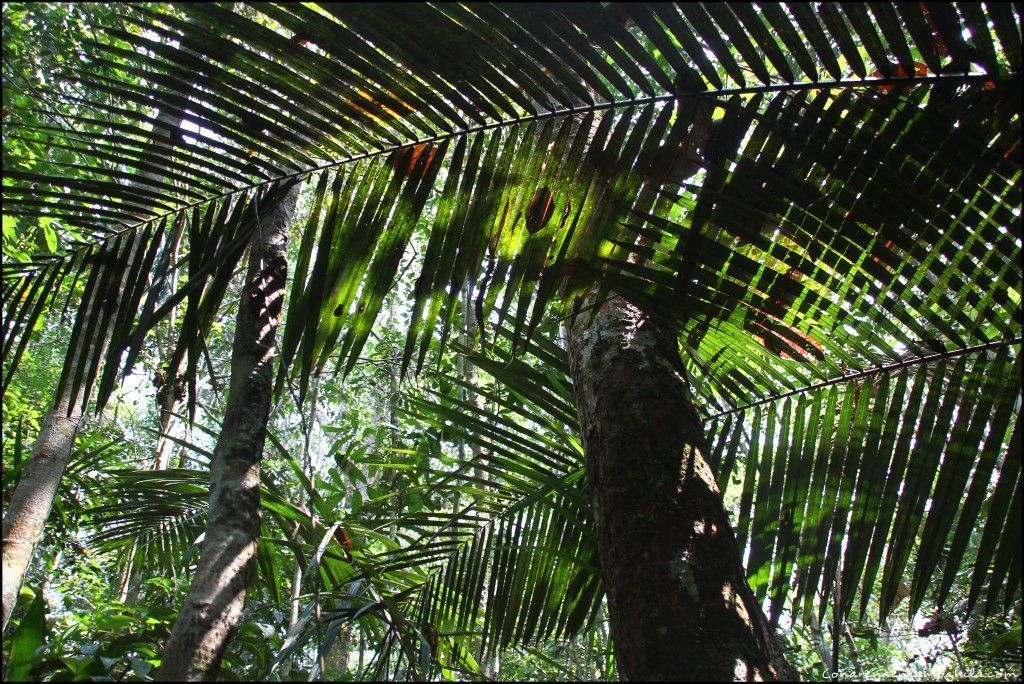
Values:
[(336, 662), (679, 603), (32, 500), (228, 557)]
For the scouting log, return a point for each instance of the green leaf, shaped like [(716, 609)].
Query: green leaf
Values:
[(28, 641)]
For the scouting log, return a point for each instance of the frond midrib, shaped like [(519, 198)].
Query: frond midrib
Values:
[(964, 78), (874, 370)]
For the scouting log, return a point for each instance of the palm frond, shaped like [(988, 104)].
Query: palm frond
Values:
[(853, 478), (270, 102)]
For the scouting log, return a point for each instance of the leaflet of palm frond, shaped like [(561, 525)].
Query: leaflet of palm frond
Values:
[(868, 485), (352, 268), (200, 51), (518, 254), (423, 170), (93, 456), (965, 447), (792, 267), (646, 165), (212, 175), (1003, 520), (344, 270), (135, 284), (533, 246), (129, 143), (992, 449), (226, 116), (654, 153), (99, 302), (165, 510), (351, 61), (159, 289), (521, 524), (27, 296), (218, 237)]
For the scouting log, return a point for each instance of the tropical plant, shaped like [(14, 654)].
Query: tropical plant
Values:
[(801, 221)]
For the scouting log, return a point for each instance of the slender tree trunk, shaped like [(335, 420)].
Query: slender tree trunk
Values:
[(171, 387), (490, 663), (818, 638), (33, 498), (395, 387), (54, 564), (129, 581), (855, 659), (678, 598), (362, 651), (603, 640), (307, 470), (30, 505), (836, 622), (169, 398), (228, 557)]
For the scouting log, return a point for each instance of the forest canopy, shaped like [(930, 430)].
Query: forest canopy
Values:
[(578, 341)]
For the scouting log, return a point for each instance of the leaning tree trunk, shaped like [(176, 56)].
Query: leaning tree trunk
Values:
[(33, 498), (678, 598), (227, 560)]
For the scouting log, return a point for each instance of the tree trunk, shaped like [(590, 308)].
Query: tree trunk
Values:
[(171, 385), (228, 556), (30, 505), (336, 663), (678, 599), (490, 663), (33, 498)]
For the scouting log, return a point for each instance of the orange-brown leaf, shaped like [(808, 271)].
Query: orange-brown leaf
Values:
[(406, 159), (919, 70), (539, 212)]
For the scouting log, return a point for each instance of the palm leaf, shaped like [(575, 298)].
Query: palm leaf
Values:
[(242, 91)]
